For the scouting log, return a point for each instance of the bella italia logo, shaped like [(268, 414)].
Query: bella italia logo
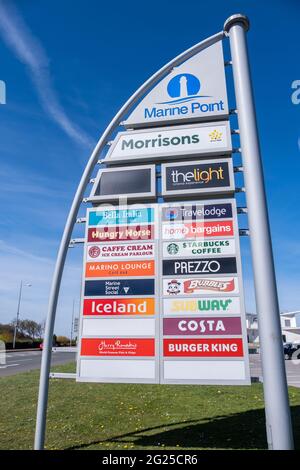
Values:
[(183, 89)]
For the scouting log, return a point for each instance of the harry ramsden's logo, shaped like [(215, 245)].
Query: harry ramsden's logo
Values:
[(117, 346), (208, 284)]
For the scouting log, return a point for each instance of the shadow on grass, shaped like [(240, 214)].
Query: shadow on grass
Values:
[(237, 431)]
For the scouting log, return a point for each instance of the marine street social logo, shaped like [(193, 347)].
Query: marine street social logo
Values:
[(183, 88)]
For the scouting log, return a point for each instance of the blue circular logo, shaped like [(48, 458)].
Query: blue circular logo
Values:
[(183, 85)]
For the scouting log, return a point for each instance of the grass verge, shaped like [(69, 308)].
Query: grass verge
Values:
[(129, 416)]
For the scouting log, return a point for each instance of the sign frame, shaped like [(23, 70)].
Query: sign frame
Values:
[(94, 199), (172, 154), (199, 192)]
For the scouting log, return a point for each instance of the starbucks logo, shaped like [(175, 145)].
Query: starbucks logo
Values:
[(173, 249)]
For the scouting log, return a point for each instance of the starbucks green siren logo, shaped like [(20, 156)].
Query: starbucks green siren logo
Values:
[(173, 249)]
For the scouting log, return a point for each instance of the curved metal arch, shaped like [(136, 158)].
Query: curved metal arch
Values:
[(71, 219)]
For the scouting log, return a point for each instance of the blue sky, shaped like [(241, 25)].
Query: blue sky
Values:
[(68, 67)]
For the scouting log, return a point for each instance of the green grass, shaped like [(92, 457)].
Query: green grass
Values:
[(122, 416)]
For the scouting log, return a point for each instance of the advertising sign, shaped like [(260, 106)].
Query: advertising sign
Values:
[(202, 326), (118, 287), (139, 232), (193, 90), (133, 182), (117, 347), (120, 269), (195, 267), (216, 228), (119, 251), (204, 335), (199, 247), (191, 178), (203, 347), (114, 216), (181, 141), (201, 211), (202, 305), (117, 307)]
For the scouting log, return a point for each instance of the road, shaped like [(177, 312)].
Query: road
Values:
[(17, 362), (292, 368)]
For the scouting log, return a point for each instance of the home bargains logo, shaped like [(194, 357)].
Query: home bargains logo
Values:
[(197, 230), (116, 307), (204, 285), (117, 347), (120, 269)]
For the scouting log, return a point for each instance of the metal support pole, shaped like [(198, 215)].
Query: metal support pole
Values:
[(71, 220), (72, 323), (278, 419), (18, 314)]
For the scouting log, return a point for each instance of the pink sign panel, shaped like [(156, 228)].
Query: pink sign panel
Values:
[(202, 326)]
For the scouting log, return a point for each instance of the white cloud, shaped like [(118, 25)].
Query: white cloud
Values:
[(28, 49)]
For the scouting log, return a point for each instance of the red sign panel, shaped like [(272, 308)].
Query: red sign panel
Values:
[(129, 306), (117, 347), (134, 232), (203, 347)]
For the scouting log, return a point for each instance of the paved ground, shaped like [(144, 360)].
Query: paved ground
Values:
[(17, 362), (292, 368)]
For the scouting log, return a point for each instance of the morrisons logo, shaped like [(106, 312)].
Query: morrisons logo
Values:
[(160, 141)]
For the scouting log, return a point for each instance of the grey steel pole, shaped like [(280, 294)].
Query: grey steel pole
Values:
[(71, 334), (18, 313), (278, 419), (63, 248)]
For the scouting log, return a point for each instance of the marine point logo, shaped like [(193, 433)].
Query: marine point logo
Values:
[(183, 88)]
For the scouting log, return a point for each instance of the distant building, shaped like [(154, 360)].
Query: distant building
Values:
[(290, 325)]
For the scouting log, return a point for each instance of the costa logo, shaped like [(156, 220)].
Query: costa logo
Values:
[(120, 269), (203, 347), (205, 285), (138, 232), (117, 347), (202, 326), (197, 229), (119, 251), (199, 266), (207, 305), (119, 306)]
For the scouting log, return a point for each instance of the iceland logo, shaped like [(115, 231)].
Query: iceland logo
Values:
[(183, 88)]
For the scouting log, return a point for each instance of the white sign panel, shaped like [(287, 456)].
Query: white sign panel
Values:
[(195, 90), (194, 248), (119, 251), (202, 305), (176, 142)]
